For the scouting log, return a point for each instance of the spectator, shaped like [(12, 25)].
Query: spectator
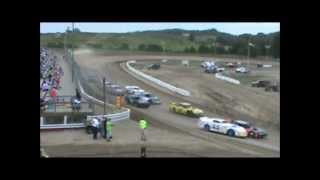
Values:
[(49, 77), (78, 95), (95, 125), (45, 87), (61, 71), (53, 94), (109, 129)]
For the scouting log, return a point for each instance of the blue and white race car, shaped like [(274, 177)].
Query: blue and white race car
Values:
[(221, 126)]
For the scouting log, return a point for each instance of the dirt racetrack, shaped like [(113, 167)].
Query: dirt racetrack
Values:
[(160, 117)]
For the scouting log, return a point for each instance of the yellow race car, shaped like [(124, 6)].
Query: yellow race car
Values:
[(185, 109)]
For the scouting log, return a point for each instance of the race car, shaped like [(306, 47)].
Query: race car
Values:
[(185, 109), (152, 98), (134, 90), (139, 101), (222, 126), (242, 70), (252, 131)]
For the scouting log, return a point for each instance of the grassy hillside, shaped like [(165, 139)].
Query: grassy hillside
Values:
[(172, 40)]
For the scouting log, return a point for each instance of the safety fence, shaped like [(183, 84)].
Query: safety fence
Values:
[(157, 81), (63, 104)]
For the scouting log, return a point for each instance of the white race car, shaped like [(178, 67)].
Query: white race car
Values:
[(134, 90), (221, 126)]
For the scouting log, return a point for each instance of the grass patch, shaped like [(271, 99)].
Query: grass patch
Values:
[(245, 79)]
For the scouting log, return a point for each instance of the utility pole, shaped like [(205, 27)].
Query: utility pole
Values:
[(249, 44), (215, 45), (65, 41), (104, 106), (248, 52), (104, 95), (267, 48), (72, 62)]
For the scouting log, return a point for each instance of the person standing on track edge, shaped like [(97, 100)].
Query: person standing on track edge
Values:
[(104, 126), (78, 95), (109, 129), (143, 125), (95, 126)]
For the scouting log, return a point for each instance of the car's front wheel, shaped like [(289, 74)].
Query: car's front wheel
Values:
[(190, 114), (251, 134), (207, 127), (230, 132)]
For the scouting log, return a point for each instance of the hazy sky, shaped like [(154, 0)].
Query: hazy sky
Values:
[(232, 28)]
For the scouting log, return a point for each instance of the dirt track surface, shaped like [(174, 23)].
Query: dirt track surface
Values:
[(126, 143), (160, 117)]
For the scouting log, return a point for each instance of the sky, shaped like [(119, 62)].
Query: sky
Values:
[(232, 28)]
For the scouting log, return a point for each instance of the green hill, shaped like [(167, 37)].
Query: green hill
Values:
[(170, 40)]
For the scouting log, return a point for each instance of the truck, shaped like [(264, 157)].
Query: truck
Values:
[(154, 66)]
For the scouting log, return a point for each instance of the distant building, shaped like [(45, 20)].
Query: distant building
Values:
[(186, 34)]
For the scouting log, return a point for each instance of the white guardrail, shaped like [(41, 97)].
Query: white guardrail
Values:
[(125, 115), (225, 78), (157, 81)]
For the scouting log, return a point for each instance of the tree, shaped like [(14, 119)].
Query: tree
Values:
[(192, 49), (124, 46), (142, 47), (275, 47), (191, 37), (204, 49), (77, 30), (154, 48)]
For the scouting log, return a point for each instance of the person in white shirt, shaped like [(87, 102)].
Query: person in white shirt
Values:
[(95, 126), (45, 87)]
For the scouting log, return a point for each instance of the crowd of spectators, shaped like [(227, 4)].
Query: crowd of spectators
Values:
[(50, 76)]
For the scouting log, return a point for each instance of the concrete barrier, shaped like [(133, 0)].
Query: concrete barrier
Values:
[(228, 79), (157, 81), (125, 115)]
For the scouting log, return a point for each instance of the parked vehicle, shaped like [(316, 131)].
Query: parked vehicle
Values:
[(210, 69), (220, 69), (154, 66), (185, 109), (208, 64), (230, 65), (116, 90), (252, 131), (272, 87), (242, 70), (260, 83), (221, 126), (134, 90)]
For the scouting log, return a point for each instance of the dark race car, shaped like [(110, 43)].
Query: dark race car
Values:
[(253, 132), (139, 101), (152, 98)]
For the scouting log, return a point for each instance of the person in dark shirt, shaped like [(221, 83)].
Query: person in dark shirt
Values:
[(78, 94)]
